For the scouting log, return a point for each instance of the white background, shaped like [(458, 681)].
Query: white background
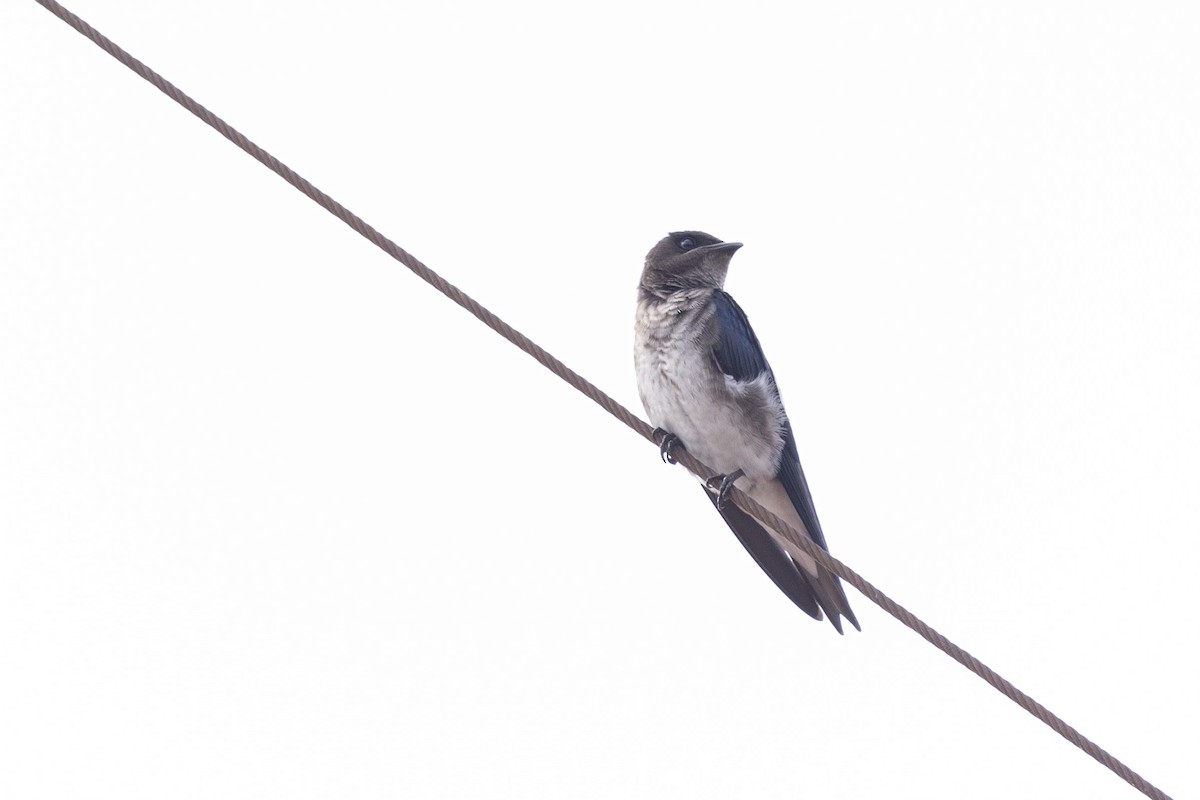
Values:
[(277, 520)]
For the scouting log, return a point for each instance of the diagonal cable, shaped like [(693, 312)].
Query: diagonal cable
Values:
[(785, 534)]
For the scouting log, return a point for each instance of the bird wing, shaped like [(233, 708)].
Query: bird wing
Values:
[(738, 353), (770, 557), (791, 475), (740, 356)]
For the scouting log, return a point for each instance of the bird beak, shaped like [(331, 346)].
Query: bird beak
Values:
[(721, 247)]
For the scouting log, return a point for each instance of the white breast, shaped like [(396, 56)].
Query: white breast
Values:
[(729, 425)]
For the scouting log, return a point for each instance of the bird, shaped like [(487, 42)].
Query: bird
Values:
[(706, 386)]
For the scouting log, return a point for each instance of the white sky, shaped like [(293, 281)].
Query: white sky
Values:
[(277, 520)]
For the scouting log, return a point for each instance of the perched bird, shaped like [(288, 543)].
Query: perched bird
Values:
[(706, 385)]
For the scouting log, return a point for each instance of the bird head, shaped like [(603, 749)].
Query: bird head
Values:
[(687, 260)]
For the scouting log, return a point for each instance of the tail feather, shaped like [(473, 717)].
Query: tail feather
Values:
[(822, 585), (832, 598), (771, 558)]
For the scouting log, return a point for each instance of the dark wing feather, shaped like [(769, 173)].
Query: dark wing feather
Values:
[(770, 557), (829, 589), (738, 353), (791, 475), (740, 356)]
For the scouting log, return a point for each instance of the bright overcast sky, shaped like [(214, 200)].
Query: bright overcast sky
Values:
[(278, 520)]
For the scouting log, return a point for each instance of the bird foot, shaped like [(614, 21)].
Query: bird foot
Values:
[(722, 484), (667, 442)]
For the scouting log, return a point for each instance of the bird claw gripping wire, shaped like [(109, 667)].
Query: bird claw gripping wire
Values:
[(722, 484), (667, 442)]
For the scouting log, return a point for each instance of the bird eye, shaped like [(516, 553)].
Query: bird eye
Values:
[(687, 243)]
